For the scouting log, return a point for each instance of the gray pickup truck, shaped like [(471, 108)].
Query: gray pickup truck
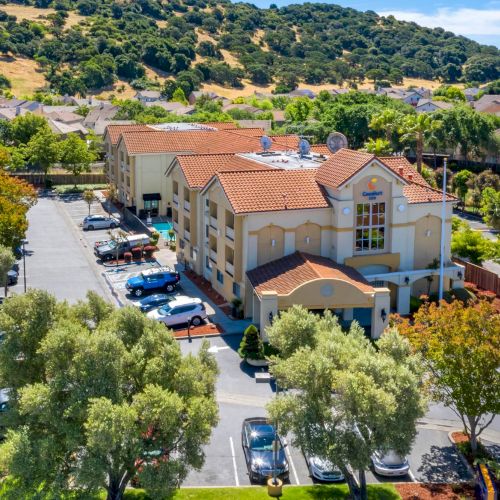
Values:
[(116, 248)]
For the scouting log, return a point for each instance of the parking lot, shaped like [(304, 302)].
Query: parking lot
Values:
[(62, 260)]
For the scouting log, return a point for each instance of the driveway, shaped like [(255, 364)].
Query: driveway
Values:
[(56, 261)]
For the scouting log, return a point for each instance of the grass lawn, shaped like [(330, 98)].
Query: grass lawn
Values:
[(323, 492)]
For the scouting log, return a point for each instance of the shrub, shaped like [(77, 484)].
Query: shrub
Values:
[(155, 236), (415, 304), (149, 250), (127, 256), (137, 252), (251, 344)]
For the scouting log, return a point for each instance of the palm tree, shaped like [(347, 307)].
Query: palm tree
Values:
[(378, 147), (387, 121), (417, 129)]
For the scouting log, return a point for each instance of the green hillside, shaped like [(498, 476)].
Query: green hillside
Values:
[(89, 44)]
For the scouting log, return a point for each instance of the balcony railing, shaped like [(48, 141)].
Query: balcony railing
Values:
[(230, 233), (187, 235), (187, 206), (213, 222), (213, 255), (230, 268), (176, 200), (176, 227)]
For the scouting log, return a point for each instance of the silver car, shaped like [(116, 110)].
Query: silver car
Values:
[(390, 464), (100, 222), (323, 470)]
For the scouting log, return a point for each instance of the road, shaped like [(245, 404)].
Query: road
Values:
[(56, 260), (478, 225)]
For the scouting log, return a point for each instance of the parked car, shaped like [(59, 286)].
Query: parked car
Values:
[(4, 407), (322, 469), (390, 464), (112, 248), (99, 222), (257, 437), (180, 310), (154, 301), (153, 280), (12, 277)]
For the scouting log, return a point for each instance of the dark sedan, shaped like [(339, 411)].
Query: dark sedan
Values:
[(154, 301), (257, 437)]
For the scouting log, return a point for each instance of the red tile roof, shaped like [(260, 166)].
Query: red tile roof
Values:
[(321, 149), (115, 131), (199, 169), (286, 274), (409, 172), (249, 132), (418, 193), (270, 190), (191, 141), (220, 125)]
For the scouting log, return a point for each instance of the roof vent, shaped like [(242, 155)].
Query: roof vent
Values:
[(410, 177), (401, 171)]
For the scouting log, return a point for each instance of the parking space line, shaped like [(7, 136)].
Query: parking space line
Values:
[(411, 476), (290, 461), (236, 480)]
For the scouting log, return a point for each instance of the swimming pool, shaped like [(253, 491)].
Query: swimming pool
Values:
[(163, 228)]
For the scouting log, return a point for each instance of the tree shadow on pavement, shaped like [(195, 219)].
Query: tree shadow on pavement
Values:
[(442, 464)]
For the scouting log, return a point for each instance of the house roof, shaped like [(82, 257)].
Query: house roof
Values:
[(321, 149), (64, 116), (418, 193), (220, 125), (115, 131), (155, 94), (66, 128), (403, 168), (269, 190), (438, 104), (101, 112), (286, 274), (249, 132), (488, 103), (199, 169)]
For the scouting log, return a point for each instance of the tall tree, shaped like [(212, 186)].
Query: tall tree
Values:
[(89, 197), (16, 197), (414, 130), (24, 127), (299, 109), (7, 260), (44, 150), (387, 122), (460, 347), (378, 147), (490, 206), (101, 396), (348, 398), (76, 156)]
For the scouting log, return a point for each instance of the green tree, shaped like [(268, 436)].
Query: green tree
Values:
[(89, 197), (450, 93), (251, 344), (490, 206), (378, 147), (76, 156), (102, 396), (348, 398), (179, 96), (43, 150), (461, 183), (24, 127), (388, 122), (472, 245), (7, 260), (299, 109), (460, 347), (415, 129)]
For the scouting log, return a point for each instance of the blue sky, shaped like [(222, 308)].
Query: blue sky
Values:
[(479, 20)]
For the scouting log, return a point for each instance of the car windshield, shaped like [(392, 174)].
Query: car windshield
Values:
[(165, 310), (262, 442)]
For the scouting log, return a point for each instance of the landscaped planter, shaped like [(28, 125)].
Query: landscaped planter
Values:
[(257, 362)]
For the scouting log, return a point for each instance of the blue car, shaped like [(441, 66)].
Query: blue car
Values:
[(153, 280), (154, 301)]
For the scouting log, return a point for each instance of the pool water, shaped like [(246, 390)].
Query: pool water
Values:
[(163, 228)]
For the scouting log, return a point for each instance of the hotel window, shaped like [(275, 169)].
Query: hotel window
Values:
[(370, 226), (236, 290), (220, 276)]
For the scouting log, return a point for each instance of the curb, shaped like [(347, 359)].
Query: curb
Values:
[(125, 264), (462, 458)]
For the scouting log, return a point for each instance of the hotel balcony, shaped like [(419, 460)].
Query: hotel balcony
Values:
[(176, 227), (213, 222), (230, 233), (187, 206), (176, 200), (213, 255), (229, 268), (187, 235)]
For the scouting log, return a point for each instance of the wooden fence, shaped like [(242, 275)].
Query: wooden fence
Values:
[(38, 179), (481, 277)]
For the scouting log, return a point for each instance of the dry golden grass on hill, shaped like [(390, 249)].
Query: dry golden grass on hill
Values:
[(33, 14), (23, 74)]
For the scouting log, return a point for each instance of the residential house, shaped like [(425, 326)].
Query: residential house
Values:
[(145, 96), (428, 105), (175, 108), (488, 103), (103, 112), (352, 232), (63, 129), (196, 94), (471, 93)]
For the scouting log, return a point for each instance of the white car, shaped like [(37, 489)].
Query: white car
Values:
[(322, 469), (100, 222), (180, 310), (390, 464)]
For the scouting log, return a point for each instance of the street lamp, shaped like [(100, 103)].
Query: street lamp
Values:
[(24, 242), (443, 225)]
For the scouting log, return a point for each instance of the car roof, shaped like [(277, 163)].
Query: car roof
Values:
[(261, 425), (157, 270), (156, 296), (181, 300)]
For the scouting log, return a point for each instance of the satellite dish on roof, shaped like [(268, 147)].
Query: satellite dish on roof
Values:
[(336, 141), (266, 143), (304, 147)]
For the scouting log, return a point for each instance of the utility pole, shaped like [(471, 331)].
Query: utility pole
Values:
[(443, 230)]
